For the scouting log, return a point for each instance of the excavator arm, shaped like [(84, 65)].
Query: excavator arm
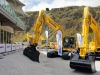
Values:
[(31, 51), (95, 47), (89, 22), (43, 18), (53, 25), (85, 32), (37, 29)]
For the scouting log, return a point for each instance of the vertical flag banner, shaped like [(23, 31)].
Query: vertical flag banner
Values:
[(59, 42), (46, 32), (57, 38), (79, 39)]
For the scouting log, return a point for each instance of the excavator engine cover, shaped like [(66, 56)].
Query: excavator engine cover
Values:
[(31, 53), (86, 64)]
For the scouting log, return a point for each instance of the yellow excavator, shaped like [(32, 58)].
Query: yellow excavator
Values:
[(85, 56), (68, 42), (43, 43)]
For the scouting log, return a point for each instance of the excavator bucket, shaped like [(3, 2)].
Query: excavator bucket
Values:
[(32, 53), (83, 64)]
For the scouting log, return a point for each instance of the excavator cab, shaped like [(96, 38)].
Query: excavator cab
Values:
[(69, 42), (43, 43)]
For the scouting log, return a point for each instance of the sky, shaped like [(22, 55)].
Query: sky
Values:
[(37, 5)]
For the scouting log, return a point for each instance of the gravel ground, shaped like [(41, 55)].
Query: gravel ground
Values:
[(18, 64)]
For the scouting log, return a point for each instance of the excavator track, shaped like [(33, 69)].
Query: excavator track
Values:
[(52, 54), (65, 55), (83, 64), (32, 53)]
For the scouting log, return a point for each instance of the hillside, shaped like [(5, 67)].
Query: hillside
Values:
[(70, 18)]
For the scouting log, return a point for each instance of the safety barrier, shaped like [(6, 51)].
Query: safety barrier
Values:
[(10, 47)]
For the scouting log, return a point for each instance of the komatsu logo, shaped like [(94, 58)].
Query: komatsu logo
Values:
[(8, 46), (1, 47)]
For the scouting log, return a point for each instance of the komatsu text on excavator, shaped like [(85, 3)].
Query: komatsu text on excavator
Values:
[(31, 51), (85, 56)]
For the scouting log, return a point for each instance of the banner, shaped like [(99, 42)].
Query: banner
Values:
[(17, 46), (46, 32), (2, 48), (79, 39), (8, 47), (13, 46), (59, 42), (20, 45)]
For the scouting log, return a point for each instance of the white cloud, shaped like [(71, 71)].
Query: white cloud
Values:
[(42, 4)]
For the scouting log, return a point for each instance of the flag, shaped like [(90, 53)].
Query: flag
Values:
[(46, 32), (59, 42), (79, 39)]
